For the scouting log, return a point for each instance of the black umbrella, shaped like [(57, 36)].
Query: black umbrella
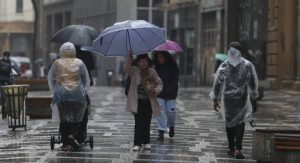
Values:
[(77, 34)]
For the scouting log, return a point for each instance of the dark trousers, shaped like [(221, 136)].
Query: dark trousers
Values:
[(235, 136), (142, 123)]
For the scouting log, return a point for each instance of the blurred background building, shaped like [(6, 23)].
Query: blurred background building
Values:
[(98, 14), (268, 30), (16, 27)]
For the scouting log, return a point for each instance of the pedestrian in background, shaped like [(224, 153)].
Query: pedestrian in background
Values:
[(167, 70), (87, 58), (68, 80), (8, 69), (145, 85), (236, 81), (42, 71)]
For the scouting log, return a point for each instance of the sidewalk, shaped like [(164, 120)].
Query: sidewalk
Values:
[(279, 109), (199, 133)]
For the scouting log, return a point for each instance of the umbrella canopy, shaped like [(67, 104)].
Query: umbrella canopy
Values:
[(221, 56), (77, 34), (169, 46), (136, 35)]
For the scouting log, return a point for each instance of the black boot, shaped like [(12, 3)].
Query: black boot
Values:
[(160, 135), (171, 132)]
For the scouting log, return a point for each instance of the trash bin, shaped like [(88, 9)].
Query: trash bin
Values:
[(15, 96)]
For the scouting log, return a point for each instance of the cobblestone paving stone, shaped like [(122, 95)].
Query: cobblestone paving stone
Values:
[(199, 133)]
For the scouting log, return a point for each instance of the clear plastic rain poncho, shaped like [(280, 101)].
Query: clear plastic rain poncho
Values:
[(235, 80), (68, 81)]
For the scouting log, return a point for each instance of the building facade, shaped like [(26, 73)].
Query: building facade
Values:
[(212, 29), (16, 27), (182, 27), (98, 14), (283, 70), (246, 22), (233, 20)]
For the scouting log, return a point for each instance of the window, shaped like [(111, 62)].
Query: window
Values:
[(58, 21), (209, 29), (158, 18), (67, 18), (143, 3), (48, 30), (189, 38), (156, 3), (143, 15), (19, 6)]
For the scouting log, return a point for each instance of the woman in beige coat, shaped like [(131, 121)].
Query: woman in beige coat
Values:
[(145, 85)]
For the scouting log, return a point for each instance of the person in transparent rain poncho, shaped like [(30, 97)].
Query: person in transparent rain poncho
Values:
[(68, 81), (236, 81)]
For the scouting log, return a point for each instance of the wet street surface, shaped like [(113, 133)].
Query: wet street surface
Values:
[(199, 132)]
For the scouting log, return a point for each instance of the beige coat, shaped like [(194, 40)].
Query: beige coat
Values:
[(132, 97)]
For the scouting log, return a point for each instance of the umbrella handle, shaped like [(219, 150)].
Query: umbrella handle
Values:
[(130, 52)]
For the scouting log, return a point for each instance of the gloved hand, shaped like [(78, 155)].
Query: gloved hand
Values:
[(254, 95)]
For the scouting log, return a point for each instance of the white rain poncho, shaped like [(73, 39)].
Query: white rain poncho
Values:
[(235, 80), (68, 81)]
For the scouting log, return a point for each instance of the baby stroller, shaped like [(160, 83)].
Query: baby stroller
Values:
[(72, 128)]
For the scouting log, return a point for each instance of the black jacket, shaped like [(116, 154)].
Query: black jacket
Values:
[(168, 72)]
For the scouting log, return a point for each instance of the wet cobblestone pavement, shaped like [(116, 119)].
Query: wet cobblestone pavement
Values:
[(199, 133)]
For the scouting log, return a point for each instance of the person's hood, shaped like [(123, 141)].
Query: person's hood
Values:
[(234, 56), (67, 50)]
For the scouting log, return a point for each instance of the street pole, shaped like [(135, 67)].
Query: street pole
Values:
[(36, 5), (185, 44)]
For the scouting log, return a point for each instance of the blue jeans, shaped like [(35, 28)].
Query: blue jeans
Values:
[(167, 116)]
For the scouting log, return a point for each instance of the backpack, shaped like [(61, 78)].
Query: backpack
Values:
[(5, 67)]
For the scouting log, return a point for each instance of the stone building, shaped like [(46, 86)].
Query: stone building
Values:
[(98, 14), (246, 22), (182, 27), (283, 70), (16, 27)]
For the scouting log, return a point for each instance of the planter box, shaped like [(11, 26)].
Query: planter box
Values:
[(38, 107), (35, 84), (262, 143), (285, 148)]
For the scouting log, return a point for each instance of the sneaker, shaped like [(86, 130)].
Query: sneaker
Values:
[(73, 142), (160, 135), (64, 148), (231, 152), (239, 155), (136, 148), (171, 132), (147, 146)]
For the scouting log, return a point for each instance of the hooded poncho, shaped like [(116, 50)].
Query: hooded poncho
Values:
[(68, 82), (235, 81)]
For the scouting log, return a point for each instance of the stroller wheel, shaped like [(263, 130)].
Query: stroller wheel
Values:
[(91, 141), (52, 141)]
